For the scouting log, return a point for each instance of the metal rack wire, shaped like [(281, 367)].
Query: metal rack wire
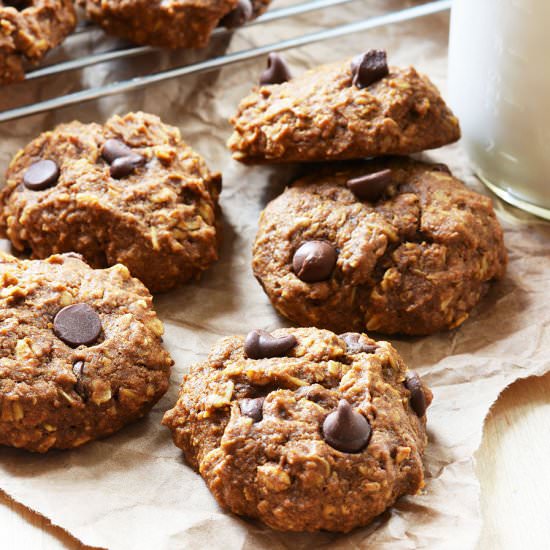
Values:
[(207, 64)]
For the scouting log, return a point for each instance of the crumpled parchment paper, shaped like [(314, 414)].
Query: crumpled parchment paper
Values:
[(133, 490)]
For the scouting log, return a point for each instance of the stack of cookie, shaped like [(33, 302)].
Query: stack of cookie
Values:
[(388, 244)]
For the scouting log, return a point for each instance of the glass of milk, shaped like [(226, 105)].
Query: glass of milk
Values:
[(499, 87)]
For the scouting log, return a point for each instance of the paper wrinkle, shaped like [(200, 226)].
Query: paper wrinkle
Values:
[(133, 490)]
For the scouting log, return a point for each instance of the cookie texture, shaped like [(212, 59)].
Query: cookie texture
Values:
[(130, 191), (165, 23), (28, 30), (322, 115), (261, 431), (413, 260), (56, 395)]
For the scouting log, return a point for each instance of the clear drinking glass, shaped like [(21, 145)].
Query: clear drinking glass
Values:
[(499, 87)]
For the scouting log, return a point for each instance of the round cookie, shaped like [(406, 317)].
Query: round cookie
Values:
[(317, 431), (80, 352), (171, 23), (130, 191), (394, 246), (353, 109), (28, 30)]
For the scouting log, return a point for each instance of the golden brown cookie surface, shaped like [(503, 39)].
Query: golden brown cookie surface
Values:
[(28, 30), (322, 115), (349, 248), (130, 191), (322, 436), (80, 352)]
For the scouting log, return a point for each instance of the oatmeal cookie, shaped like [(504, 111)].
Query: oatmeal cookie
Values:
[(171, 23), (354, 109), (304, 429), (28, 30), (130, 191), (388, 245), (80, 352)]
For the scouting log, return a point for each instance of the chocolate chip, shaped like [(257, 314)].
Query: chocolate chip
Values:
[(368, 68), (370, 187), (41, 175), (314, 261), (417, 397), (239, 16), (346, 430), (277, 70), (259, 344), (124, 166), (77, 325), (356, 344), (114, 149), (78, 371), (252, 408)]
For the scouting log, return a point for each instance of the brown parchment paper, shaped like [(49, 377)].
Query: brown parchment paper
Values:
[(133, 490)]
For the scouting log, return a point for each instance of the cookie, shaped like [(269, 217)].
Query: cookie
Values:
[(303, 429), (393, 246), (130, 191), (80, 352), (173, 23), (28, 30), (329, 113)]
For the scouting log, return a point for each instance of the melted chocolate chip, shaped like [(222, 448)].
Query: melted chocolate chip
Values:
[(252, 408), (114, 149), (77, 325), (356, 344), (277, 70), (239, 16), (259, 344), (346, 430), (417, 397), (314, 261), (368, 68), (41, 175), (370, 187), (124, 166)]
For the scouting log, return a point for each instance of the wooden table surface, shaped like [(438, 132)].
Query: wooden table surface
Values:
[(512, 465)]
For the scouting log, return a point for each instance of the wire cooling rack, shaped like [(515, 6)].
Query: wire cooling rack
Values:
[(57, 69)]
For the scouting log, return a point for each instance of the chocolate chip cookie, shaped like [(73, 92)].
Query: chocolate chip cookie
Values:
[(80, 352), (394, 246), (28, 30), (171, 23), (354, 109), (304, 429), (130, 191)]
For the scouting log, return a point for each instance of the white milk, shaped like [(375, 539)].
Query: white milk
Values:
[(499, 87)]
